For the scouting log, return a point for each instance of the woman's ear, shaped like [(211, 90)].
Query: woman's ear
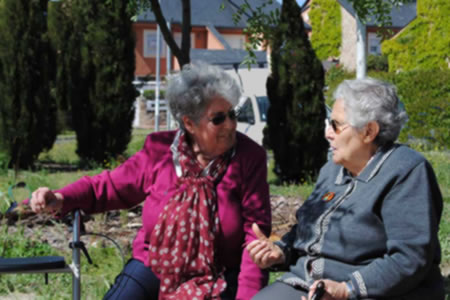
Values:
[(371, 131), (188, 124)]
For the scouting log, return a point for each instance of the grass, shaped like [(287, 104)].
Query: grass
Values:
[(97, 278)]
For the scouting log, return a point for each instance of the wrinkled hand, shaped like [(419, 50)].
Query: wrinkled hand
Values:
[(263, 252), (43, 200), (333, 290)]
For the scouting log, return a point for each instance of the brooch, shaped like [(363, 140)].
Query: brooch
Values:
[(328, 196)]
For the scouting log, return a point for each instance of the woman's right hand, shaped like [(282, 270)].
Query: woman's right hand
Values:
[(44, 200), (263, 252)]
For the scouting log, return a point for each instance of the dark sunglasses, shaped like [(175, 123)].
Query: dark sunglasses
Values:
[(220, 117), (337, 128)]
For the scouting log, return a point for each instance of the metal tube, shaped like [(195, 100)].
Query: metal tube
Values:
[(158, 57), (169, 63), (76, 272), (361, 41)]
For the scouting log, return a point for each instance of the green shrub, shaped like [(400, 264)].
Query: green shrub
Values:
[(150, 94), (377, 63), (325, 18), (4, 159), (426, 96), (424, 43), (335, 75)]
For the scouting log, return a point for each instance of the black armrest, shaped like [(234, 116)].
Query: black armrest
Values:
[(29, 264)]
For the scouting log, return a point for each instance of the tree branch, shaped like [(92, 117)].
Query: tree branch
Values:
[(168, 37)]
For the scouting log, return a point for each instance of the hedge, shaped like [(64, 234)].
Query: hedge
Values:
[(325, 16), (425, 42)]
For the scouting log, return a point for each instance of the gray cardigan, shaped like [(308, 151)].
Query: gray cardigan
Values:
[(378, 231)]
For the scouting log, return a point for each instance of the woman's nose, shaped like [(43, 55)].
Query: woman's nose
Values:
[(329, 132), (230, 123)]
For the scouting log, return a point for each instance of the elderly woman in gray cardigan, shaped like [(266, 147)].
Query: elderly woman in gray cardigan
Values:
[(369, 230)]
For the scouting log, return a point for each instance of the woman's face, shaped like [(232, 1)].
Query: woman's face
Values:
[(211, 140), (350, 147)]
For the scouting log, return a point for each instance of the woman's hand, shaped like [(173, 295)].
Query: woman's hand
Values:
[(333, 290), (44, 200), (263, 252)]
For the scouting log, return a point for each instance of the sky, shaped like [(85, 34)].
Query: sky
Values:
[(300, 2)]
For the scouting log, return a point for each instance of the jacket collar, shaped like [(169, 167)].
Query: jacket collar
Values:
[(370, 170)]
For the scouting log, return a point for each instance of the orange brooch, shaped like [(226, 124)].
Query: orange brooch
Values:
[(328, 196)]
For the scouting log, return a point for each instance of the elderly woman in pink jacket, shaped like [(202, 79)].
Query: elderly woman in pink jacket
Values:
[(202, 186)]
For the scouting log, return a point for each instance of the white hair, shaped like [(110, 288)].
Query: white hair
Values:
[(370, 99), (190, 91)]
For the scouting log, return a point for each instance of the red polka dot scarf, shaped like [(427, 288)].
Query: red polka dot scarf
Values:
[(182, 244)]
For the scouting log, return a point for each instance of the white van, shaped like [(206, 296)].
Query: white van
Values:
[(254, 103)]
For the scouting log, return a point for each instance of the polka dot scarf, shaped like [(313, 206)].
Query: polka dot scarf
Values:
[(182, 243)]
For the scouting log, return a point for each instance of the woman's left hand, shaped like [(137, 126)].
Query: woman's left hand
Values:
[(333, 290)]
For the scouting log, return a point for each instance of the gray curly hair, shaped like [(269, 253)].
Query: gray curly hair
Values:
[(370, 99), (190, 91)]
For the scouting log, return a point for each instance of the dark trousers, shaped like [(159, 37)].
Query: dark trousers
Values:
[(280, 290), (138, 282)]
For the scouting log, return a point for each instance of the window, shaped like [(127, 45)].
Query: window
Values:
[(177, 37), (374, 44), (150, 44), (236, 41), (263, 104), (246, 114)]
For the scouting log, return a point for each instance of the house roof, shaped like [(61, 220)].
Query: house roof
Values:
[(218, 13), (400, 16), (226, 58)]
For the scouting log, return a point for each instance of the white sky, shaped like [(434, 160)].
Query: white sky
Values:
[(300, 2)]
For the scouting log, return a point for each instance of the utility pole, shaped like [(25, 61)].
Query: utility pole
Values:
[(361, 41), (158, 57), (169, 65)]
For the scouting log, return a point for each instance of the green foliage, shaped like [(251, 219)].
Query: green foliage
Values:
[(4, 161), (425, 42), (440, 160), (27, 110), (426, 96), (95, 279), (260, 28), (296, 112), (150, 94), (95, 72), (325, 16), (333, 78), (377, 63), (375, 9)]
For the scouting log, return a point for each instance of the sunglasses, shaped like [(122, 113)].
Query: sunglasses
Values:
[(220, 117), (337, 128)]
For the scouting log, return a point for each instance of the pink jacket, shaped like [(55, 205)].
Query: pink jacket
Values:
[(149, 176)]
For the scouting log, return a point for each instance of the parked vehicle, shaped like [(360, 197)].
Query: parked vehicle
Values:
[(254, 103)]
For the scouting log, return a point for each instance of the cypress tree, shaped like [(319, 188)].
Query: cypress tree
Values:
[(27, 111), (296, 115), (97, 70)]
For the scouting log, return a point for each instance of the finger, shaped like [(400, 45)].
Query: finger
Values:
[(36, 201), (39, 199), (269, 258), (259, 246), (260, 255), (312, 289), (258, 232), (253, 244)]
